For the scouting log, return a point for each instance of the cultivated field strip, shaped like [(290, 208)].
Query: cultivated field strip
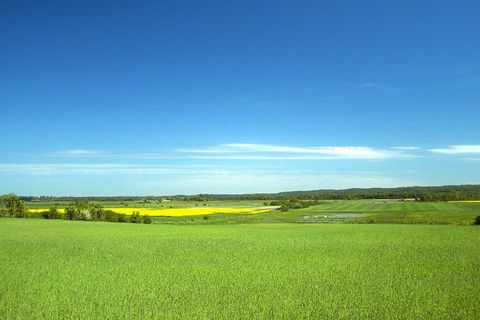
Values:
[(54, 269)]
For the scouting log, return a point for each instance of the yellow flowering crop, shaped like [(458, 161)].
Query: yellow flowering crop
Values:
[(174, 212), (178, 212)]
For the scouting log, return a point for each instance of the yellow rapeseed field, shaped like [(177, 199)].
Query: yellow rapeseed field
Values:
[(176, 212), (467, 201), (36, 210)]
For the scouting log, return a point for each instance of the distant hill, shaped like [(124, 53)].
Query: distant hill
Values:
[(432, 193)]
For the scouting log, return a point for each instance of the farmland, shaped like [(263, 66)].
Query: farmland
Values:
[(177, 212), (223, 259), (55, 269), (249, 211)]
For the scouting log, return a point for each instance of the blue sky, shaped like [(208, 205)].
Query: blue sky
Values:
[(184, 97)]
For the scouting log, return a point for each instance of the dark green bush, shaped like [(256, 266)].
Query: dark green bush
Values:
[(477, 221), (14, 207), (121, 217), (135, 217), (52, 213), (69, 213), (97, 213)]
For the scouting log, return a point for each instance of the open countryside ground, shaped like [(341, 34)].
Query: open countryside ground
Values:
[(155, 203), (176, 212), (363, 211), (388, 211), (56, 269)]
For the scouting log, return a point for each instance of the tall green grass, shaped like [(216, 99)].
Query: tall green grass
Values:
[(53, 269)]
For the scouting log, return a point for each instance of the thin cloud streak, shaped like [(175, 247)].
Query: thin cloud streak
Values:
[(248, 182), (264, 157), (406, 148), (78, 152), (106, 168), (208, 178), (458, 149), (264, 151), (253, 151)]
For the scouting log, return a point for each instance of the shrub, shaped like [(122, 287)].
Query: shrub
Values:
[(109, 215), (135, 217), (477, 220), (146, 219), (96, 213), (35, 215), (121, 217), (52, 213), (14, 207), (69, 213)]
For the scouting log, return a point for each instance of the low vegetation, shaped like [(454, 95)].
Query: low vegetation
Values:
[(294, 203), (57, 269), (404, 211), (426, 194), (77, 210)]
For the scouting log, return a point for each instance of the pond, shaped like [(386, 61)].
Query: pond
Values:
[(331, 216)]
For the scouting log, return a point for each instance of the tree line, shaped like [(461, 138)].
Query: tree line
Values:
[(294, 203), (433, 193), (12, 206)]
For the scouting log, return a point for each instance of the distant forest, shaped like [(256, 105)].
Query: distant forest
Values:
[(437, 193)]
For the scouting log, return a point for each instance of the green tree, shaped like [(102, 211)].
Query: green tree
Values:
[(52, 213), (97, 213), (477, 220), (135, 217), (82, 210), (146, 219), (70, 213), (121, 217), (14, 207)]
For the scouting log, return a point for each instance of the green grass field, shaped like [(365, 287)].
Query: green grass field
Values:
[(354, 211), (365, 211), (391, 211), (55, 269)]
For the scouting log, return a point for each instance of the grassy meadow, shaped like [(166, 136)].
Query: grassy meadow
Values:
[(55, 269), (332, 211)]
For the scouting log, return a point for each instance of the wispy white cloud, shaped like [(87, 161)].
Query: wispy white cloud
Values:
[(458, 149), (406, 148), (255, 151), (84, 153), (269, 181), (103, 168), (169, 179), (78, 152)]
